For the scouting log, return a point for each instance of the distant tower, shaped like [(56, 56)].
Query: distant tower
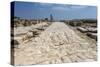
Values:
[(51, 18)]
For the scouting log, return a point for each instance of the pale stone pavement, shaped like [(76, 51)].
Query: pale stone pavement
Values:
[(57, 44)]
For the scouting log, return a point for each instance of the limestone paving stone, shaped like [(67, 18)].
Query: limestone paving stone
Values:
[(58, 43)]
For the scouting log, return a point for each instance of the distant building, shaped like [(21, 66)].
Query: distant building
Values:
[(51, 18)]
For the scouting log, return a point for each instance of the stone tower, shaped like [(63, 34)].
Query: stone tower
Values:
[(51, 18)]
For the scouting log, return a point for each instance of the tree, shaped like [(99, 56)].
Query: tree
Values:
[(46, 19)]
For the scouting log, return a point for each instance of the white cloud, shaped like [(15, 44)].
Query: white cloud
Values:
[(60, 8), (45, 4), (78, 7), (68, 7)]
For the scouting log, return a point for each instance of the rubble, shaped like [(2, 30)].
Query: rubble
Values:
[(83, 30), (22, 33), (58, 43), (93, 30), (92, 35)]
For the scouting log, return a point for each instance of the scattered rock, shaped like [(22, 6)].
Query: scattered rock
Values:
[(57, 44), (92, 35), (82, 29), (92, 30)]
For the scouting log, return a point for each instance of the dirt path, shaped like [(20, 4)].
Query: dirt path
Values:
[(57, 44)]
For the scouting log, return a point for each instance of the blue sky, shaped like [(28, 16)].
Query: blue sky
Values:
[(35, 10)]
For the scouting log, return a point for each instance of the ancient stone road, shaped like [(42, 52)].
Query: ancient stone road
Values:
[(57, 44)]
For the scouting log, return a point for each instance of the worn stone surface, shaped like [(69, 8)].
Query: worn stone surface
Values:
[(57, 44), (89, 31), (92, 35), (82, 29), (93, 30)]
